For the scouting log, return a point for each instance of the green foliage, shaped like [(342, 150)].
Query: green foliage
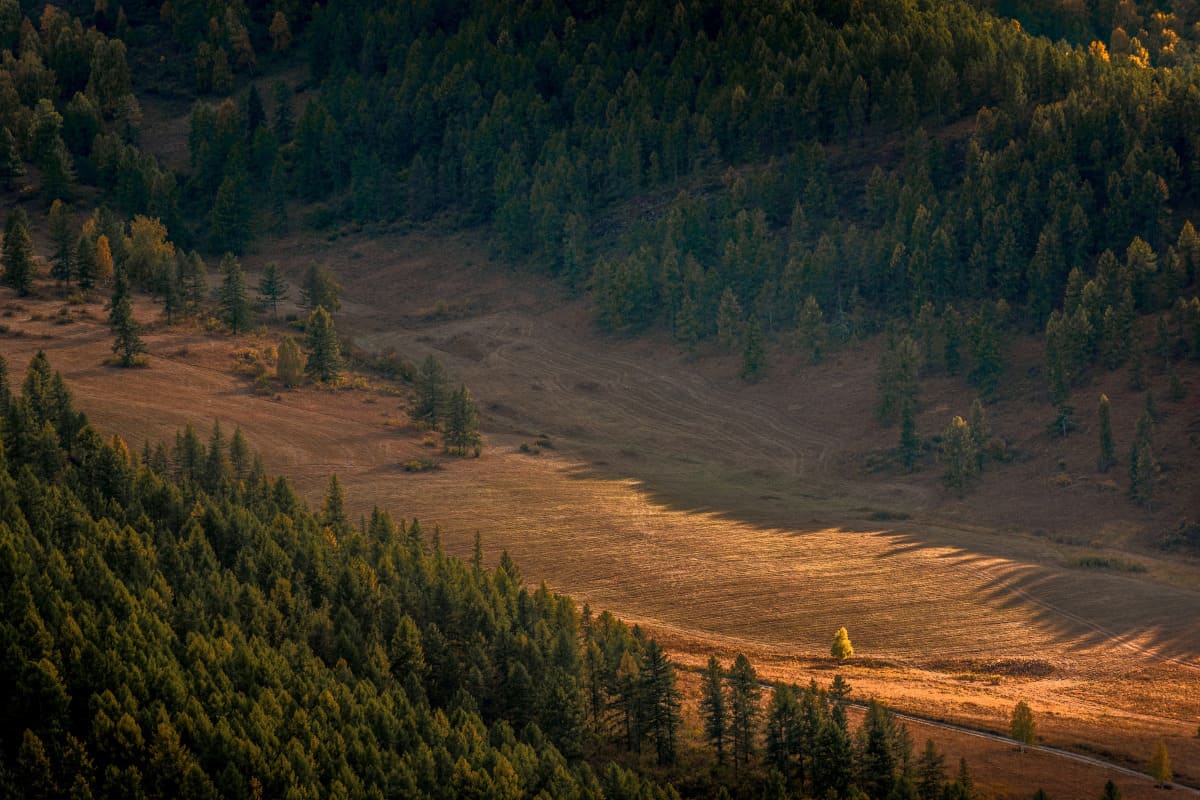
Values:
[(127, 341), (1021, 726), (959, 456), (461, 431), (272, 288), (232, 300), (324, 361), (432, 392), (17, 254), (63, 239), (1107, 452), (897, 385), (744, 711), (1143, 469), (753, 351), (320, 288), (712, 707)]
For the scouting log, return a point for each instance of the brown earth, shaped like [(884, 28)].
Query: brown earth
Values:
[(726, 517)]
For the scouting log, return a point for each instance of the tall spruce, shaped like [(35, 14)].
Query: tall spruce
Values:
[(1107, 452), (63, 239), (661, 702), (272, 289), (432, 392), (744, 711), (712, 707), (320, 288), (753, 351), (461, 431), (1143, 471)]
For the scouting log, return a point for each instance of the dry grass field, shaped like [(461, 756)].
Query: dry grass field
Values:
[(726, 517)]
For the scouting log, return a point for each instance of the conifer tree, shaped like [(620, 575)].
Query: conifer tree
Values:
[(1143, 470), (981, 432), (712, 706), (1106, 458), (931, 772), (897, 385), (661, 702), (18, 252), (753, 353), (431, 385), (687, 324), (744, 712), (235, 307), (1111, 792), (729, 320), (910, 443), (1021, 726), (231, 215), (324, 354), (61, 236), (85, 263), (11, 167), (105, 265), (1160, 765), (320, 288), (127, 342), (289, 364), (272, 288), (958, 452), (841, 649), (461, 432), (812, 330)]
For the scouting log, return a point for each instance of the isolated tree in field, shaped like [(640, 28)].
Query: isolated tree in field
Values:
[(63, 239), (1160, 765), (235, 307), (729, 320), (432, 391), (461, 432), (1111, 792), (1021, 726), (324, 355), (744, 713), (712, 706), (127, 342), (958, 453), (753, 353), (193, 279), (841, 649), (289, 365), (18, 252), (1106, 458), (320, 288), (272, 289)]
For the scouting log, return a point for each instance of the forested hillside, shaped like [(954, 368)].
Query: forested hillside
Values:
[(177, 624)]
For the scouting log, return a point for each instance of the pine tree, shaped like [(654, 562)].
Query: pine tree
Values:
[(18, 252), (687, 325), (712, 706), (812, 330), (729, 320), (841, 649), (289, 364), (11, 167), (231, 216), (1160, 765), (431, 385), (931, 772), (235, 307), (958, 452), (462, 423), (753, 353), (744, 713), (324, 354), (897, 385), (1143, 471), (127, 342), (1022, 726), (61, 236), (1106, 458), (272, 288), (58, 173), (1111, 792), (910, 443)]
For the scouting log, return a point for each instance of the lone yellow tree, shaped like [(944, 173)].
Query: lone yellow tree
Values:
[(842, 650), (1160, 765), (1022, 727)]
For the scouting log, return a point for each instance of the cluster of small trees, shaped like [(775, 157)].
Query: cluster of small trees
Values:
[(454, 411)]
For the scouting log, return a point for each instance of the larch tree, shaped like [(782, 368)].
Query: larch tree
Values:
[(127, 341), (272, 289), (461, 432), (17, 252), (63, 239), (712, 706), (234, 305), (841, 649), (105, 266), (744, 712), (1021, 725), (320, 288), (1160, 765), (324, 354), (289, 364), (958, 453), (1107, 452)]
